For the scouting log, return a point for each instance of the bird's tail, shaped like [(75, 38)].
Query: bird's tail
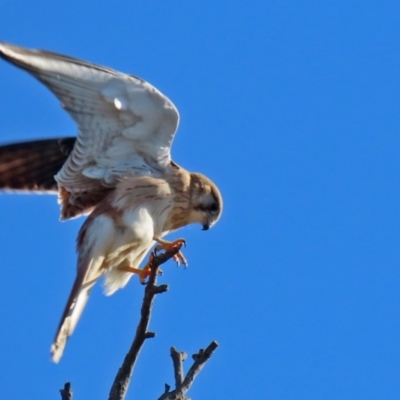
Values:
[(94, 239), (73, 310)]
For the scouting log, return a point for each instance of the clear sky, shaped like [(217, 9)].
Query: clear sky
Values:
[(292, 108)]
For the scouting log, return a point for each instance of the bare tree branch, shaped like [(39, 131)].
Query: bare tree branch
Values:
[(66, 392), (121, 383), (177, 358), (182, 383), (199, 361)]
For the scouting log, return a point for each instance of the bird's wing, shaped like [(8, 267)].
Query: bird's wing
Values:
[(125, 125), (31, 166), (94, 239)]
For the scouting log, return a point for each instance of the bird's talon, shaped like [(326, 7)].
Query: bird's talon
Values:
[(179, 258), (167, 246), (178, 242), (176, 259)]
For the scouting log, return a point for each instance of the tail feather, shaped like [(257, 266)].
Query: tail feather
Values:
[(73, 310), (114, 280), (93, 240)]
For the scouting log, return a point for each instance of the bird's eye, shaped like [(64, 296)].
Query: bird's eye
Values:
[(214, 208)]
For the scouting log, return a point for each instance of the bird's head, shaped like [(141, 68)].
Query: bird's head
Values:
[(205, 201)]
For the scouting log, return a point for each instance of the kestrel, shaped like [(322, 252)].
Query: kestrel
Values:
[(118, 170)]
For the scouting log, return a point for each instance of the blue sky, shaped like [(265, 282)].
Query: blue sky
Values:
[(292, 108)]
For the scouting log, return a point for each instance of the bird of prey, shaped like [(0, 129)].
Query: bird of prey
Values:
[(118, 170)]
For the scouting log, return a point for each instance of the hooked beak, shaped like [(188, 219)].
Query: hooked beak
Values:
[(206, 225)]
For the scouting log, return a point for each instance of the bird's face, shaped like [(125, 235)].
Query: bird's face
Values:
[(206, 201)]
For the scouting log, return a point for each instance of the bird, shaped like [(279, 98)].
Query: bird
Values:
[(117, 172)]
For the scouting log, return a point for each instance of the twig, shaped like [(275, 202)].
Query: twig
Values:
[(177, 358), (123, 377), (66, 392), (199, 361)]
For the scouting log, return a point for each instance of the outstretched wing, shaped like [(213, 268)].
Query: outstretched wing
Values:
[(125, 125), (31, 166)]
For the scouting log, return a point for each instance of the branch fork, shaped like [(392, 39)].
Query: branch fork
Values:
[(183, 384)]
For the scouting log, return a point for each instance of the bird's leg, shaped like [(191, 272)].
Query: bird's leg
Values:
[(145, 272), (167, 246), (142, 273)]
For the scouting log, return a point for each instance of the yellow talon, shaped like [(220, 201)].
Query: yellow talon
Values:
[(167, 246), (142, 273), (145, 272)]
